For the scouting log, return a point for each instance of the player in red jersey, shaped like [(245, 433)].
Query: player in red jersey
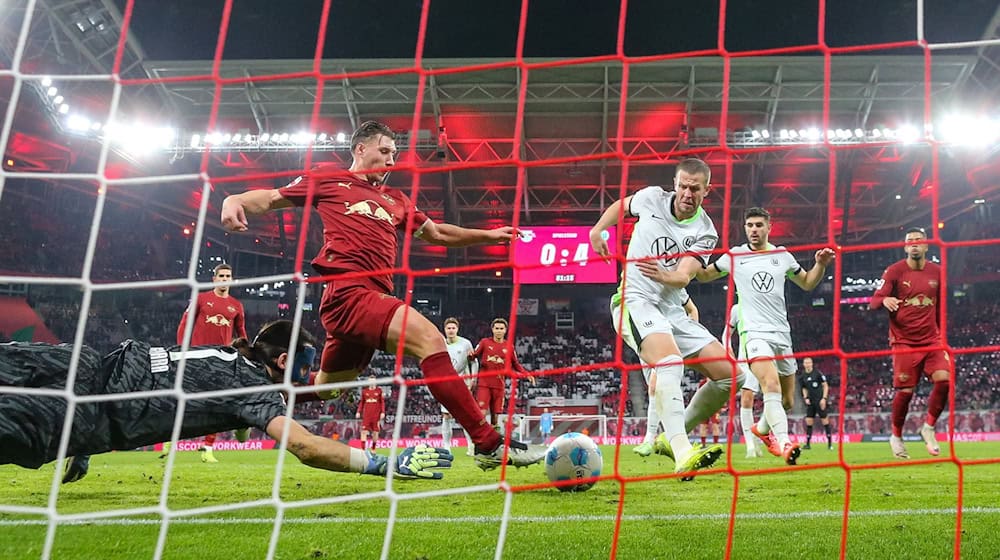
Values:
[(371, 411), (494, 355), (361, 218), (911, 292), (218, 319)]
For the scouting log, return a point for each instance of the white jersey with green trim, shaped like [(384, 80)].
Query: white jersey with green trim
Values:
[(658, 233), (760, 286)]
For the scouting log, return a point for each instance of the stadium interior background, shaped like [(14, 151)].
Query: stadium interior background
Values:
[(859, 181)]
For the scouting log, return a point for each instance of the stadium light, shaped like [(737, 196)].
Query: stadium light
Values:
[(78, 123), (341, 137), (765, 133), (63, 109), (195, 140), (321, 137), (265, 137), (908, 134), (979, 201), (52, 91), (46, 81)]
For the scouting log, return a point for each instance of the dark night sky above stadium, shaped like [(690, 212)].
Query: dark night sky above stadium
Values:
[(187, 29)]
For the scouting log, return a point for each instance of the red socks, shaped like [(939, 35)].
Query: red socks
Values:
[(449, 389), (900, 406), (937, 401)]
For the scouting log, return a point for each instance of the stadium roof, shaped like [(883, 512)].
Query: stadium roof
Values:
[(570, 129)]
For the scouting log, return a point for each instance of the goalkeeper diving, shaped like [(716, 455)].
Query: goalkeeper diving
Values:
[(31, 424)]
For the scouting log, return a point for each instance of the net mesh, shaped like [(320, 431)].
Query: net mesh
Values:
[(21, 77)]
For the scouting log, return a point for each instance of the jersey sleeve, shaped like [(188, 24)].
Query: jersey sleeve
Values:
[(642, 202), (703, 246), (792, 266), (477, 352), (419, 218), (887, 288), (239, 322), (725, 263)]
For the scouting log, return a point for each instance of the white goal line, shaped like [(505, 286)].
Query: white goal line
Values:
[(490, 519)]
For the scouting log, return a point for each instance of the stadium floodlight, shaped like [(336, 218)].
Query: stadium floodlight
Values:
[(899, 197), (96, 126), (195, 140), (63, 109), (226, 138), (979, 201), (52, 91), (858, 133), (876, 133), (283, 137), (765, 133), (321, 137), (341, 137), (237, 138), (755, 134), (970, 131), (78, 123), (46, 81), (813, 134), (265, 137), (908, 134), (58, 99), (793, 134)]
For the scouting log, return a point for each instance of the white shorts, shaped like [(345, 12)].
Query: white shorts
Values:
[(768, 345), (750, 382), (642, 318)]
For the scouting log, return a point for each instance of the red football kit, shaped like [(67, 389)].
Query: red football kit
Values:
[(371, 409), (360, 225), (216, 320), (915, 323), (494, 357)]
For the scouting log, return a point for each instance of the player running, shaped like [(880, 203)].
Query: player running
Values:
[(759, 270), (911, 292), (669, 245), (31, 425), (361, 218)]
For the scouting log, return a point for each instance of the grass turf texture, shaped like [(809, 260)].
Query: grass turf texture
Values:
[(904, 511)]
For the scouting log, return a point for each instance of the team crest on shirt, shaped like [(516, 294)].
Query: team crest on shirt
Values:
[(774, 261), (231, 309), (688, 241)]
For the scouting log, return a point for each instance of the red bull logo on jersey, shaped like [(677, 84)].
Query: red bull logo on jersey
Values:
[(495, 359), (919, 300), (369, 209), (217, 320)]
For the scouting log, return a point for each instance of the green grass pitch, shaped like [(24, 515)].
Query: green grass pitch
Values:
[(903, 511)]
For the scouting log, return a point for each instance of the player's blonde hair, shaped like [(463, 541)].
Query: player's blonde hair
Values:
[(451, 320)]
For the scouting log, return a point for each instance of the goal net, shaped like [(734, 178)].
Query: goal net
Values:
[(595, 425), (126, 124)]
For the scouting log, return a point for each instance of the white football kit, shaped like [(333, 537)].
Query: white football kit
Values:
[(762, 322), (459, 353)]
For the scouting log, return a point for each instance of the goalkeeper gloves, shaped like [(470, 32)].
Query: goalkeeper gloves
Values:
[(412, 462)]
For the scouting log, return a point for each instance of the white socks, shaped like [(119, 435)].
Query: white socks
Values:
[(445, 432), (669, 401), (707, 400), (746, 422), (652, 421), (776, 418)]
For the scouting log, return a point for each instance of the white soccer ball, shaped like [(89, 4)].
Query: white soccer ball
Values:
[(573, 456)]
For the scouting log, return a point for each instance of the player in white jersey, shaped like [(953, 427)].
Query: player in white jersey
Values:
[(645, 449), (671, 242), (458, 349), (749, 390), (759, 270)]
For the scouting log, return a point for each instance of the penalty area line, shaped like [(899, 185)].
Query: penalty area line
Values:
[(497, 518)]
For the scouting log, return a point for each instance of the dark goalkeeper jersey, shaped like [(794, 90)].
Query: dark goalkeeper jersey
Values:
[(30, 425)]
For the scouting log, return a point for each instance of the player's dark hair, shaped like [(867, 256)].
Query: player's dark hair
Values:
[(370, 130), (499, 320), (756, 212), (919, 230), (272, 341), (223, 266), (694, 166), (451, 320)]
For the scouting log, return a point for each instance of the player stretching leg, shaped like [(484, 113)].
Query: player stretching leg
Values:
[(361, 218), (911, 292), (459, 348), (759, 270), (645, 449), (658, 269)]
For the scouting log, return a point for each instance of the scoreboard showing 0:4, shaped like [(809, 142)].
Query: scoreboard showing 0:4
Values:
[(561, 255)]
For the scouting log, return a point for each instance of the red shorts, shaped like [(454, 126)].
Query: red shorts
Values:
[(356, 315), (713, 419), (490, 398), (370, 424), (907, 364)]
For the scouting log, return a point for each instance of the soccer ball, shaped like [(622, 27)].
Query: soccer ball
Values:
[(573, 456)]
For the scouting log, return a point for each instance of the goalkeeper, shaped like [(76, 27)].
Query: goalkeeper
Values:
[(31, 425)]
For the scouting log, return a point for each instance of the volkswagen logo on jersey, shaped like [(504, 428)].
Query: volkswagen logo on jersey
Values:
[(762, 282), (667, 249)]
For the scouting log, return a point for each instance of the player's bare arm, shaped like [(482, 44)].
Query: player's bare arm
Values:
[(235, 208), (311, 450), (448, 235), (809, 280), (687, 268), (608, 218), (710, 272)]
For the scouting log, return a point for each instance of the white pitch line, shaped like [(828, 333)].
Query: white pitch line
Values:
[(517, 518)]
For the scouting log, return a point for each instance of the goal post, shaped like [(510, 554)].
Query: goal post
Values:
[(594, 424)]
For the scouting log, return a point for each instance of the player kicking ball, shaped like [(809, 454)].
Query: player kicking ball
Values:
[(669, 245), (759, 271)]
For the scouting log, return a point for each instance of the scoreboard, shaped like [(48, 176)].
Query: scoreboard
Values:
[(561, 255)]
